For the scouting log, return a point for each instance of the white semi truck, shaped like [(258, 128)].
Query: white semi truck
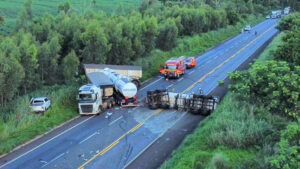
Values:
[(195, 104), (106, 89)]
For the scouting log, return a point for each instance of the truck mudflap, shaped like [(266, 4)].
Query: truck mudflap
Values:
[(130, 102), (192, 103)]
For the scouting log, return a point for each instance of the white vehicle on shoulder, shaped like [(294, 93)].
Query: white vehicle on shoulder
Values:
[(40, 104)]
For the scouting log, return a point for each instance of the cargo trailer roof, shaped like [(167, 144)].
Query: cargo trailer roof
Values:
[(99, 79), (114, 67)]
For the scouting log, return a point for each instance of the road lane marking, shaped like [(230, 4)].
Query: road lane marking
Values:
[(57, 157), (120, 138), (111, 123), (151, 83), (191, 72), (180, 79), (170, 86), (46, 142), (220, 65), (159, 110), (88, 137)]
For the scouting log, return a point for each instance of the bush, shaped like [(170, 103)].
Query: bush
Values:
[(219, 161), (273, 85), (288, 155)]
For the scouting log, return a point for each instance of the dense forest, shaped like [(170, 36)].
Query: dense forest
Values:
[(257, 125)]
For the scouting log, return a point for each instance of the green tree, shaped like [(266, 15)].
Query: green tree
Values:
[(26, 16), (288, 153), (290, 22), (121, 46), (29, 61), (11, 71), (2, 20), (149, 33), (70, 67), (289, 51), (48, 58), (168, 33), (65, 7), (273, 85), (96, 44), (232, 16)]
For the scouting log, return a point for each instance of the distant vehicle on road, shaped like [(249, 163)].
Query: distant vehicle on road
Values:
[(247, 28), (276, 14), (40, 104), (268, 17), (190, 62), (286, 10)]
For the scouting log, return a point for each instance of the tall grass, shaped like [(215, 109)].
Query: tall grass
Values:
[(19, 125), (191, 46)]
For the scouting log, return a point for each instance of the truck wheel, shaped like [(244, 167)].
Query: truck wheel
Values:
[(136, 83)]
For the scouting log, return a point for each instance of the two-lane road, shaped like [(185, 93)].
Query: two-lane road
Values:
[(114, 141)]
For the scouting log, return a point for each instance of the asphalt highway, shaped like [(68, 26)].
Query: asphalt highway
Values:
[(113, 141)]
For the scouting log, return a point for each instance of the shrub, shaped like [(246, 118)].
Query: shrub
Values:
[(219, 161), (288, 155)]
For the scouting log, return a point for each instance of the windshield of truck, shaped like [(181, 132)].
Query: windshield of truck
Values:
[(85, 97), (171, 67)]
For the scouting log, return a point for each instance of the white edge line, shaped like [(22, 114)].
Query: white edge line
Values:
[(150, 84), (170, 86), (180, 79), (57, 157), (111, 123), (88, 137), (153, 141), (45, 142)]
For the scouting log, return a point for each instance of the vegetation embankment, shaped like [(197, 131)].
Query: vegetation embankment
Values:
[(257, 124), (17, 125), (48, 50)]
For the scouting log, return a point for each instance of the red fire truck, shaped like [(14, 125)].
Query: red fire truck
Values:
[(173, 67)]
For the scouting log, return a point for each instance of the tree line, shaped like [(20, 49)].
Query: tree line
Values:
[(48, 50)]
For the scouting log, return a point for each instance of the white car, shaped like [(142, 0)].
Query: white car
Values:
[(247, 28), (268, 17), (39, 104)]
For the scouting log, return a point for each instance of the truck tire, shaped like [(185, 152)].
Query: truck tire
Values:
[(136, 83)]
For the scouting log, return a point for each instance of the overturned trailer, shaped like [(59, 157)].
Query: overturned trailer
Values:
[(192, 103)]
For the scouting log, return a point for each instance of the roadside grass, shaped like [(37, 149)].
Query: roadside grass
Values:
[(19, 125), (237, 135), (269, 51), (10, 9), (191, 46)]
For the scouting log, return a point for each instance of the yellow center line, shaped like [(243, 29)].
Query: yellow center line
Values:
[(160, 110), (220, 65)]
